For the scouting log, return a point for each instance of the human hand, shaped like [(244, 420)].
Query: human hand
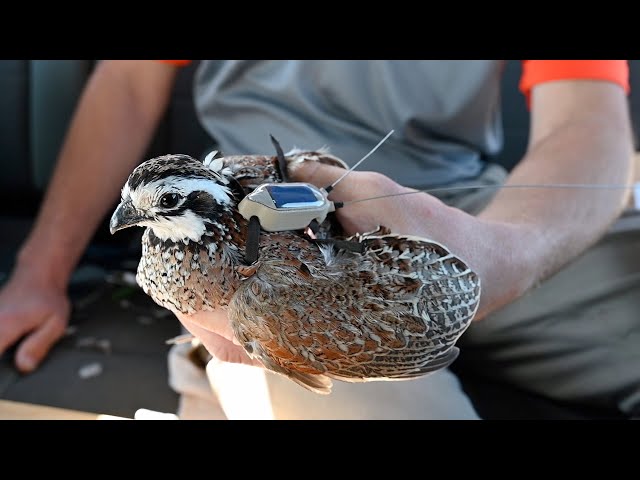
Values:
[(33, 312), (495, 250), (212, 328), (397, 212)]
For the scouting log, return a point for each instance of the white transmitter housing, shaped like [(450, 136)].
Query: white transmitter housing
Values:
[(286, 206)]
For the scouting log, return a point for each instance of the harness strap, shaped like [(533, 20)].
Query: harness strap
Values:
[(253, 241)]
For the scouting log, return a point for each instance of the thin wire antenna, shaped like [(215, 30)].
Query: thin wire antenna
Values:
[(332, 186), (595, 186)]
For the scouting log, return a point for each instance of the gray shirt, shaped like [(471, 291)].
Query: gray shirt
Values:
[(445, 113)]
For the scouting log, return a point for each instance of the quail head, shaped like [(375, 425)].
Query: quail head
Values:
[(392, 309)]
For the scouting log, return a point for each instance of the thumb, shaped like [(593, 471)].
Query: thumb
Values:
[(316, 173), (37, 344)]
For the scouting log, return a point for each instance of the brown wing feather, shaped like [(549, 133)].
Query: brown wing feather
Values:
[(360, 318), (252, 170)]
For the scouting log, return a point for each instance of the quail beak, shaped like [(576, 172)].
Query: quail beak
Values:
[(124, 216)]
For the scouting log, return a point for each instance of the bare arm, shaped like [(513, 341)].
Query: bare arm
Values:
[(111, 128), (116, 116), (580, 133)]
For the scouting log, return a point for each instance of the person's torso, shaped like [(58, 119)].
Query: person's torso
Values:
[(445, 113)]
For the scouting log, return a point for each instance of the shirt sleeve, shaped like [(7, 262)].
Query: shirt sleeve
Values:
[(535, 72), (177, 63)]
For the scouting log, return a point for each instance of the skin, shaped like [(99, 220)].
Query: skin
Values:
[(113, 124), (580, 133)]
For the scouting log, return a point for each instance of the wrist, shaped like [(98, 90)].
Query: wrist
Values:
[(501, 253), (42, 267)]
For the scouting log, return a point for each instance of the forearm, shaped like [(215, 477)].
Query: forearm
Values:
[(580, 134), (533, 232), (563, 222), (107, 137)]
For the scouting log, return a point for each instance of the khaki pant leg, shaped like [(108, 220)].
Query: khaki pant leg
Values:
[(577, 336), (437, 396)]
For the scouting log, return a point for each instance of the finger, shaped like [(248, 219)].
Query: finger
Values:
[(37, 344), (218, 346), (215, 321), (316, 173), (11, 331)]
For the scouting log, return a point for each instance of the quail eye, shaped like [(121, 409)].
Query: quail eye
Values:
[(169, 200)]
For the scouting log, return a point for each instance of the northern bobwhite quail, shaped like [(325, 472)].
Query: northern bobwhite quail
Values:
[(306, 310)]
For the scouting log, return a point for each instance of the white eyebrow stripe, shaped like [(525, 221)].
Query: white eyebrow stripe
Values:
[(185, 186)]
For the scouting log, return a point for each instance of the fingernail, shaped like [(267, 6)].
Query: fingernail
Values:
[(26, 364)]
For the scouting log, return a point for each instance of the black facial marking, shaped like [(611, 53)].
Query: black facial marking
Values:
[(203, 204), (236, 189), (190, 246), (199, 202), (154, 240)]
